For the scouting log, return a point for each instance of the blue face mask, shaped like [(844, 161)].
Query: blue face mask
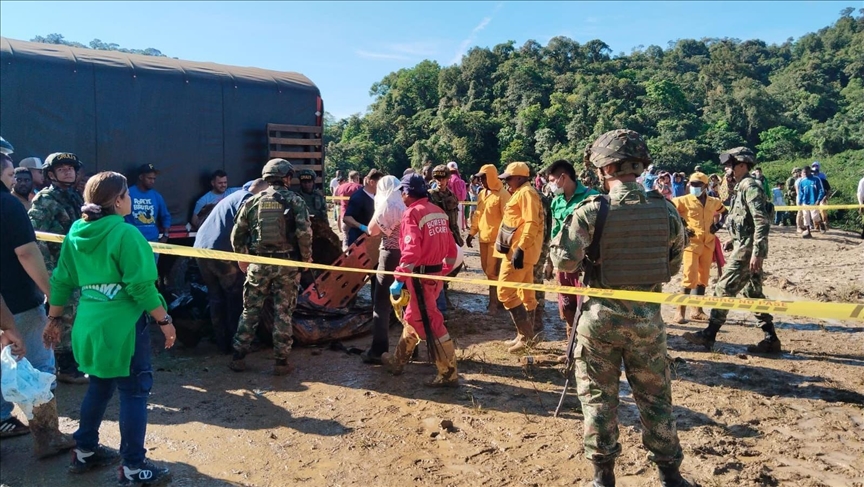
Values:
[(696, 191)]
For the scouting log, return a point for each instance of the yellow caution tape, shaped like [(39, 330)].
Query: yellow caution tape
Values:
[(810, 309)]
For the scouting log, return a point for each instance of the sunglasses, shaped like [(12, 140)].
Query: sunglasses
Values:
[(440, 177)]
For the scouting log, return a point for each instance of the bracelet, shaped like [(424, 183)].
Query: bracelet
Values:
[(167, 320), (53, 318)]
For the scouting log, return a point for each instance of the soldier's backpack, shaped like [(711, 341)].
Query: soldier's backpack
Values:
[(274, 223)]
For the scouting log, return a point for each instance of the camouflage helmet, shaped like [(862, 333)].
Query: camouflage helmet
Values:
[(623, 147), (440, 171), (739, 154), (306, 175), (277, 168), (57, 159)]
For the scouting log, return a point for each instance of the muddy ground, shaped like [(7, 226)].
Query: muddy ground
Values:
[(794, 420)]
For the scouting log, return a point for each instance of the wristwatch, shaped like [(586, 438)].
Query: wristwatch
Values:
[(167, 320)]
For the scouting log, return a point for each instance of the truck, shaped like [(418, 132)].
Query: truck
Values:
[(117, 111)]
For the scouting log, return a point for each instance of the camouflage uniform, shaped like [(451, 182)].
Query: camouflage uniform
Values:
[(262, 281), (611, 331), (53, 211), (589, 179), (446, 200), (315, 201), (749, 223)]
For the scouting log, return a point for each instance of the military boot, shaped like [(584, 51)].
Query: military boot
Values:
[(769, 344), (282, 367), (445, 361), (238, 362), (705, 337), (671, 477), (604, 475), (404, 349), (524, 327), (699, 314), (47, 438), (681, 314)]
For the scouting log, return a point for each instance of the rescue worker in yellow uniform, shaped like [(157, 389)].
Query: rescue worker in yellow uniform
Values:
[(701, 214), (519, 242), (485, 223)]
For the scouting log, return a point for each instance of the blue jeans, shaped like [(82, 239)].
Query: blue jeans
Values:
[(30, 325), (441, 302), (134, 390)]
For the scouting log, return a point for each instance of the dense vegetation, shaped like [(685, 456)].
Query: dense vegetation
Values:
[(96, 44), (691, 100)]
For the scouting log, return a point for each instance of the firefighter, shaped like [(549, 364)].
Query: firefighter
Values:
[(425, 244)]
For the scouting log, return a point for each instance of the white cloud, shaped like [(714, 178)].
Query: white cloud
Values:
[(380, 55), (466, 43)]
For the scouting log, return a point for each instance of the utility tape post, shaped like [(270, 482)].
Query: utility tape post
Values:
[(809, 309)]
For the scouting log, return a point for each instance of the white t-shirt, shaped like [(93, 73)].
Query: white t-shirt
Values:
[(334, 183), (861, 192)]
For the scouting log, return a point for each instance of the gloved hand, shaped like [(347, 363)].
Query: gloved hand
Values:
[(469, 240), (690, 232), (364, 229), (715, 227), (396, 288), (518, 258)]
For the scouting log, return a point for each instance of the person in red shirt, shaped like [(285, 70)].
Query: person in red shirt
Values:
[(426, 247), (346, 189)]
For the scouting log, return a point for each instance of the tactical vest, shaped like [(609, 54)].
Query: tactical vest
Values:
[(634, 247), (275, 222)]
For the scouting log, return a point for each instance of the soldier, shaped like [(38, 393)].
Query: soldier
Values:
[(701, 215), (749, 224), (611, 331), (424, 247), (54, 210), (519, 244), (314, 198), (446, 200), (273, 223), (541, 269)]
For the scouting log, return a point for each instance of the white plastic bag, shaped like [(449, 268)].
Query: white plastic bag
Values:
[(23, 384)]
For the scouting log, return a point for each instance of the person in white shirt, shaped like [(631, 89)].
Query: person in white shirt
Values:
[(861, 202), (778, 200)]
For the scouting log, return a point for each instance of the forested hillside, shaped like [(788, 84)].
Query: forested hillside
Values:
[(693, 99)]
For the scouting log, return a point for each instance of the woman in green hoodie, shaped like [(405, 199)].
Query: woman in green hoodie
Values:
[(113, 265)]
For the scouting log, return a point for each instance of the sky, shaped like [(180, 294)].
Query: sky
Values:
[(345, 47)]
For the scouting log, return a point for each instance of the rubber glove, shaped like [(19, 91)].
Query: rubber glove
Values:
[(518, 258), (364, 229), (396, 288)]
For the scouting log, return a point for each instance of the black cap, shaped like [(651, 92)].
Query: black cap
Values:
[(146, 169), (414, 185)]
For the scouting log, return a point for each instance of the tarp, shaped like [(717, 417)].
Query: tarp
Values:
[(117, 111)]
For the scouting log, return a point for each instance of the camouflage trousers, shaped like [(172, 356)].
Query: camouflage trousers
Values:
[(263, 281), (538, 273), (69, 312), (598, 360), (735, 279)]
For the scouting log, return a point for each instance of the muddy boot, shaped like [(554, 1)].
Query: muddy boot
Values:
[(494, 305), (514, 340), (445, 361), (67, 369), (769, 344), (238, 362), (705, 337), (47, 438), (699, 314), (524, 327), (396, 362), (604, 475), (539, 314), (282, 367), (671, 477)]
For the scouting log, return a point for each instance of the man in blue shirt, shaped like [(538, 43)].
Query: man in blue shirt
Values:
[(219, 190), (149, 211), (223, 278), (810, 192)]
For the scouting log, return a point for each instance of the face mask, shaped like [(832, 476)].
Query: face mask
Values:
[(696, 191), (555, 189)]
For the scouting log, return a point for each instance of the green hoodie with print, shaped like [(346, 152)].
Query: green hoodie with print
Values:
[(113, 265)]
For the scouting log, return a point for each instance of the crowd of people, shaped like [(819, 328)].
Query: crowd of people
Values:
[(617, 223)]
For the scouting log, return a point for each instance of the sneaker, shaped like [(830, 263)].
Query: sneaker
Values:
[(144, 474), (13, 427), (83, 460)]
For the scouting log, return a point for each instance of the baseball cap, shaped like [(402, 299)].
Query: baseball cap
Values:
[(452, 166), (815, 164), (146, 169), (698, 176), (515, 169), (414, 185), (31, 163)]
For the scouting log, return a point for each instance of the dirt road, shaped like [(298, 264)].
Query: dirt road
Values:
[(795, 420)]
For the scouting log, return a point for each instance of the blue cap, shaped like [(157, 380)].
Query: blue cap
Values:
[(414, 185)]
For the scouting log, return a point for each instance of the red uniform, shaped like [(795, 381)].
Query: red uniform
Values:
[(425, 241)]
